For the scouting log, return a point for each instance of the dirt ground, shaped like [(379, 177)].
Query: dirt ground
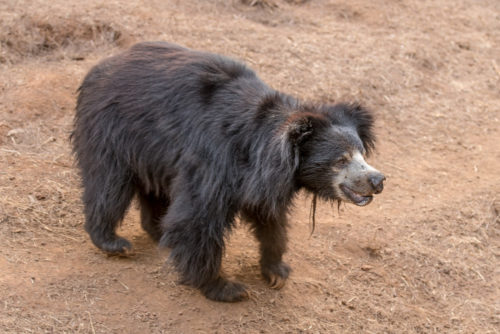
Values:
[(422, 258)]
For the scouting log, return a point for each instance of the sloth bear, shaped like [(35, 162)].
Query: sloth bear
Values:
[(201, 140)]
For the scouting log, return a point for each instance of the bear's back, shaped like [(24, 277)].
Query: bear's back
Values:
[(159, 105)]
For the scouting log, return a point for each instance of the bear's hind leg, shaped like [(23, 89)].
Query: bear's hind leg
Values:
[(106, 198), (153, 208), (272, 236)]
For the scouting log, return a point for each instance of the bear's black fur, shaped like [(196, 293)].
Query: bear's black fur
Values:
[(200, 139)]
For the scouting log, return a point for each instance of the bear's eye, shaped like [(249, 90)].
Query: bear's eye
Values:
[(341, 161)]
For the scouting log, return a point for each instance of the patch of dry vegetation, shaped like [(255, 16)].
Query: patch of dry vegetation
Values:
[(270, 4), (34, 36)]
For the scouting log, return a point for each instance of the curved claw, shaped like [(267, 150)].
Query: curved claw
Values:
[(276, 275)]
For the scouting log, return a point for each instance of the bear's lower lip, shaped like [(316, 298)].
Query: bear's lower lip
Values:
[(355, 197)]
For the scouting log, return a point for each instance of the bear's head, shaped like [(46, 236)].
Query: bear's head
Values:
[(331, 143)]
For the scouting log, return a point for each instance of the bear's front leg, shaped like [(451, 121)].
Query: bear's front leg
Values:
[(224, 290), (272, 236), (196, 238)]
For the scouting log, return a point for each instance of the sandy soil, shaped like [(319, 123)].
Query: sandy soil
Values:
[(422, 258)]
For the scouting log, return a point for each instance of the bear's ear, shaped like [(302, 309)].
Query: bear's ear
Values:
[(354, 115), (302, 125)]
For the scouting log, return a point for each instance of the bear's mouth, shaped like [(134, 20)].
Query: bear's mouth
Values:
[(355, 197)]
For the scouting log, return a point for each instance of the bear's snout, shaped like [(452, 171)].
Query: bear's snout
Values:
[(377, 182), (358, 181)]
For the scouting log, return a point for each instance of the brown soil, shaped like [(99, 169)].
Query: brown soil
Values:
[(423, 258)]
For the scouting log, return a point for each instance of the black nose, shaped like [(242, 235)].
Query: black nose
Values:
[(377, 182)]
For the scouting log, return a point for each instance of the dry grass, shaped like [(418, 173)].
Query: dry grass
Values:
[(260, 3), (33, 36), (423, 258)]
